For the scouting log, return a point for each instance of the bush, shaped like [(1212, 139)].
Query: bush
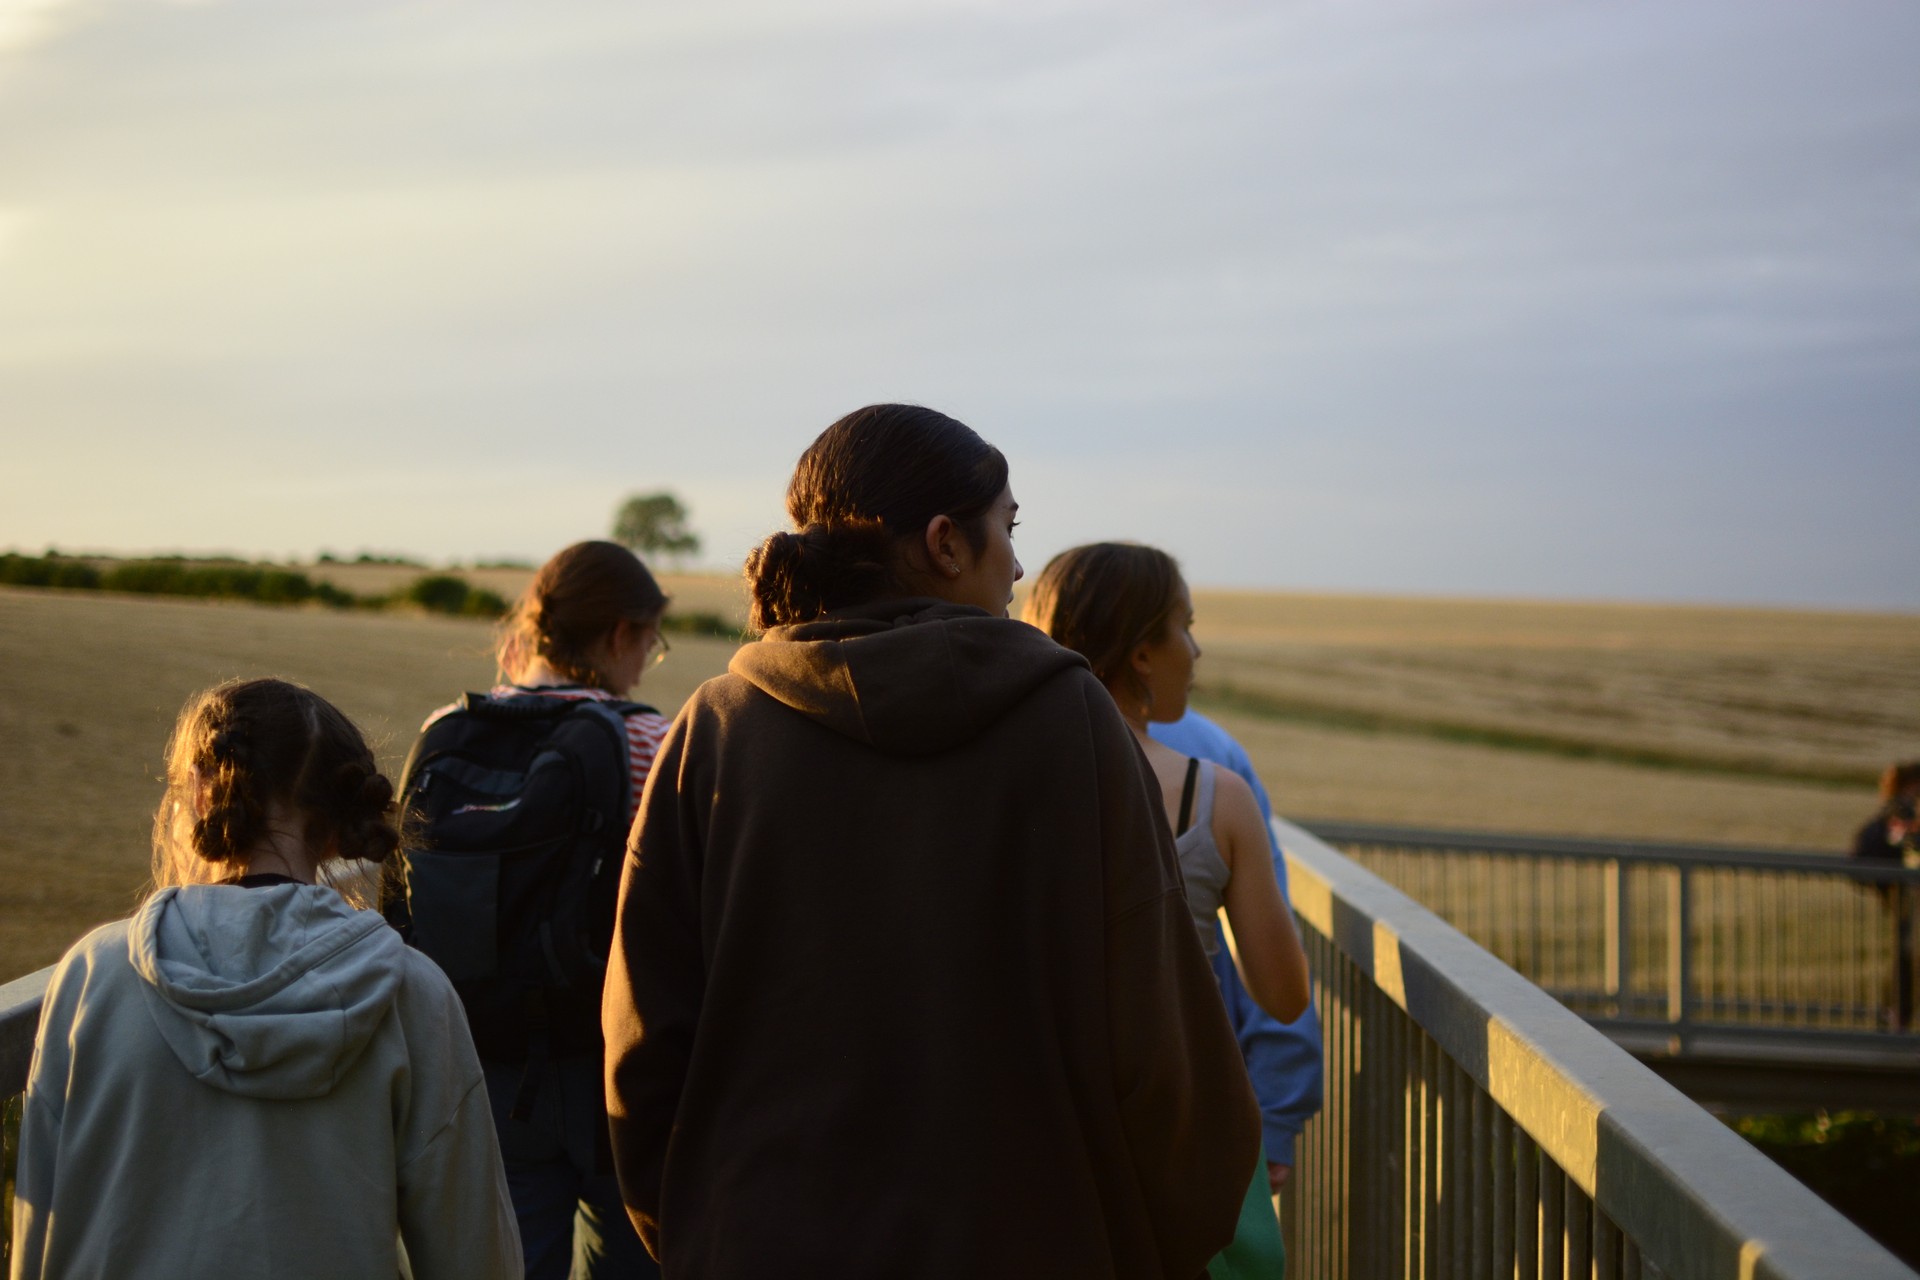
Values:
[(701, 624), (439, 593), (444, 593), (172, 578), (47, 571), (482, 603)]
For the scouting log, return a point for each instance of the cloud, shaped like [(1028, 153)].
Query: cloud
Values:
[(1477, 296)]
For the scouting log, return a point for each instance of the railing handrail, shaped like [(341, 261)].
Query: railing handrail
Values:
[(1695, 1197), (20, 1002), (1646, 851)]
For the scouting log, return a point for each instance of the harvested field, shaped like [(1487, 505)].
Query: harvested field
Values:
[(1797, 696), (1377, 776), (89, 687), (1349, 707)]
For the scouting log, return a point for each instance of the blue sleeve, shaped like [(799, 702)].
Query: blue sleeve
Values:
[(1283, 1058)]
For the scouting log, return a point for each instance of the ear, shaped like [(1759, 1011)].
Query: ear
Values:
[(626, 633), (1141, 661), (943, 545), (199, 797)]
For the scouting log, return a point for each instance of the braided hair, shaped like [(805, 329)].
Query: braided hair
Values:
[(248, 752)]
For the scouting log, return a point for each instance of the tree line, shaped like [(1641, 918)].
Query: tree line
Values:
[(434, 592)]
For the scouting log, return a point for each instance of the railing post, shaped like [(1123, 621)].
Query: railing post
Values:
[(1903, 897), (1619, 938), (1679, 946)]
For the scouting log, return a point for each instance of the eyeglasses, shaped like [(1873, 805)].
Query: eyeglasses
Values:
[(659, 654)]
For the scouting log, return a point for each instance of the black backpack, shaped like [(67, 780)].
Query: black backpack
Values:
[(516, 829)]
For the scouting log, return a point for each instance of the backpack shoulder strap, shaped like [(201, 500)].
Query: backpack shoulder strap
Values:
[(466, 702), (613, 716)]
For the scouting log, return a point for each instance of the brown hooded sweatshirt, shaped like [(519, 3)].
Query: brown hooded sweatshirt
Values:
[(904, 982)]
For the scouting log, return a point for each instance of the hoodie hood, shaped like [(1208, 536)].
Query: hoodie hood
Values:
[(908, 677), (267, 993)]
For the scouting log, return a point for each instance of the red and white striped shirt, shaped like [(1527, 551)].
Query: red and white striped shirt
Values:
[(645, 729)]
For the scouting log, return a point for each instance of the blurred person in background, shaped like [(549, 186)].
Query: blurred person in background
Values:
[(1889, 834), (1127, 610), (1284, 1059), (904, 981), (1892, 835), (522, 798)]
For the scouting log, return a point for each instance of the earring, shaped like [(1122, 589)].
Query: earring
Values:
[(953, 569)]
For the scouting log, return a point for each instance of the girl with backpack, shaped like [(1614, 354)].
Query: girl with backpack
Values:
[(522, 798), (903, 983), (253, 1076), (1127, 610)]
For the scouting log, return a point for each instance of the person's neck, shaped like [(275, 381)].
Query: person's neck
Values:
[(1135, 716), (281, 855), (537, 674)]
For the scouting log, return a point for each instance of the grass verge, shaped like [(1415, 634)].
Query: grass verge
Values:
[(1229, 697)]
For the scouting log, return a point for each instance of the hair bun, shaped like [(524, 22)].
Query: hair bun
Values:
[(375, 842), (797, 577), (365, 798), (376, 793), (214, 840), (363, 790)]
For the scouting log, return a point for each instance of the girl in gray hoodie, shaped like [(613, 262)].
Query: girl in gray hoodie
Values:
[(253, 1076)]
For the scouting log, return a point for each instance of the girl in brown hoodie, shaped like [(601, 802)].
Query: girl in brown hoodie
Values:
[(904, 982)]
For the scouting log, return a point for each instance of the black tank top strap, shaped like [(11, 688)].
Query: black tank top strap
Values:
[(1186, 796)]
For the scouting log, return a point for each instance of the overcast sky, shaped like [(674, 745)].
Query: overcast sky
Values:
[(1582, 300)]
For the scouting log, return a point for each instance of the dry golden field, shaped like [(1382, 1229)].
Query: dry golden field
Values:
[(1797, 694), (90, 684), (1739, 725), (1463, 714)]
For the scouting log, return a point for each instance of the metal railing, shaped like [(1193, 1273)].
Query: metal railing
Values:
[(1675, 941), (1474, 1126)]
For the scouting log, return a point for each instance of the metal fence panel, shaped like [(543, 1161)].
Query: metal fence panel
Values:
[(1454, 1078)]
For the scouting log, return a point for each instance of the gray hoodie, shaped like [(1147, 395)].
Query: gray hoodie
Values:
[(256, 1082)]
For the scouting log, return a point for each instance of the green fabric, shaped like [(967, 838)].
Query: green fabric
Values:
[(1257, 1252)]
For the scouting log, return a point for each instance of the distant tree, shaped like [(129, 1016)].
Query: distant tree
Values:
[(655, 523)]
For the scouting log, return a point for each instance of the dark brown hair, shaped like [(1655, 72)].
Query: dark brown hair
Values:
[(1897, 778), (869, 484), (248, 747), (1103, 601), (571, 607)]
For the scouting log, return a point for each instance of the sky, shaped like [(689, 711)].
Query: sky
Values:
[(1565, 300)]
